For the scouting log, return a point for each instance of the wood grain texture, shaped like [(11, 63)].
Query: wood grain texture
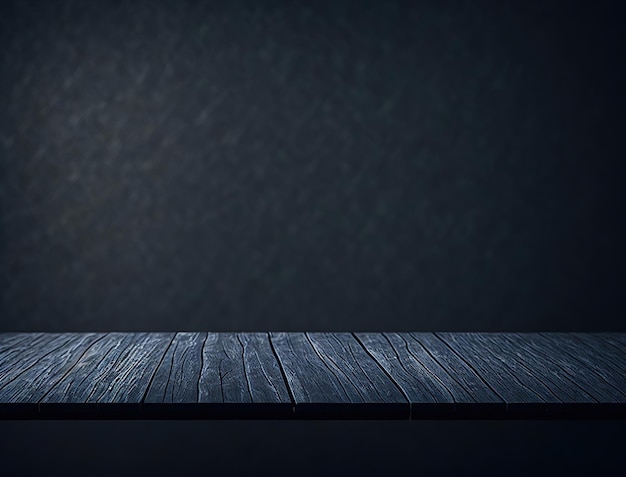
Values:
[(427, 385), (240, 368), (132, 370), (191, 375), (267, 384), (617, 337), (610, 342), (607, 345), (522, 392), (177, 377), (554, 353), (602, 363), (92, 371), (238, 376), (331, 373), (512, 348), (112, 375), (15, 341), (18, 359), (48, 370), (486, 400)]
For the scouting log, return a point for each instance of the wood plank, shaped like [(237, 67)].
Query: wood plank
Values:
[(487, 402), (312, 375), (18, 352), (129, 377), (241, 378), (19, 359), (14, 351), (48, 371), (330, 374), (36, 380), (620, 337), (223, 378), (346, 356), (607, 352), (114, 374), (512, 347), (425, 384), (524, 394), (549, 352), (177, 377), (79, 385), (616, 342), (267, 383), (600, 362), (15, 341)]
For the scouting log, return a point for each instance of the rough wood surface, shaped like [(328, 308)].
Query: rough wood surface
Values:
[(312, 375), (113, 373), (513, 348), (176, 379), (457, 365), (240, 368), (47, 371), (330, 373)]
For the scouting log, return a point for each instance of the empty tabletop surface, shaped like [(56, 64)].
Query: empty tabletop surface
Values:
[(200, 375)]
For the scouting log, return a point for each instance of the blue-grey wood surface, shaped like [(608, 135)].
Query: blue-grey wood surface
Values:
[(200, 375)]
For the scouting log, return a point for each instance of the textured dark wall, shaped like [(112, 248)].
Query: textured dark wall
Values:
[(311, 165)]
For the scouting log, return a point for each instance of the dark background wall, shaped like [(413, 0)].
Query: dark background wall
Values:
[(335, 165), (311, 165)]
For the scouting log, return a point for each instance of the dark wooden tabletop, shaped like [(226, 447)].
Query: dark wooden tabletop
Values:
[(312, 375)]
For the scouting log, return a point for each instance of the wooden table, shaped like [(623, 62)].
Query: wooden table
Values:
[(312, 375)]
